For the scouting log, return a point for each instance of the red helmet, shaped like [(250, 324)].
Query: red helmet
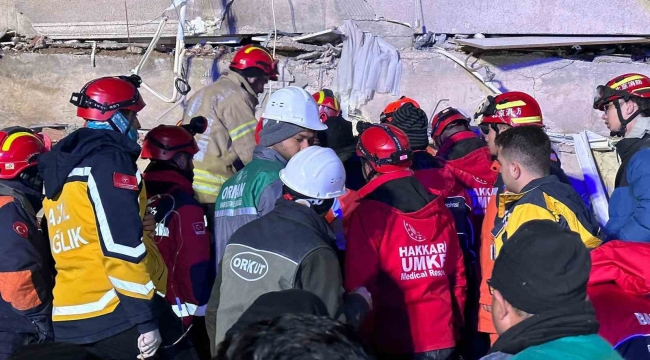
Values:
[(622, 87), (513, 108), (385, 147), (441, 120), (19, 150), (328, 105), (387, 114), (251, 56), (99, 99), (165, 141)]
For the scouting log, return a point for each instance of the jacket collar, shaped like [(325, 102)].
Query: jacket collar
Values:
[(382, 179), (169, 176), (453, 140), (305, 216), (238, 79), (266, 153), (572, 320), (508, 197)]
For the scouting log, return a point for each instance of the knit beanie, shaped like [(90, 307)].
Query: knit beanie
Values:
[(275, 131), (542, 267), (414, 123), (338, 134)]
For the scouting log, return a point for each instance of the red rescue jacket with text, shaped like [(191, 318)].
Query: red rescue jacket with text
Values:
[(183, 242), (619, 286), (412, 264)]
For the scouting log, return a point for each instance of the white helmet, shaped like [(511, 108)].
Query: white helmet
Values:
[(294, 105), (315, 172)]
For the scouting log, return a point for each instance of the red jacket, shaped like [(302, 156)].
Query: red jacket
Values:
[(412, 265), (474, 171), (183, 242), (619, 286)]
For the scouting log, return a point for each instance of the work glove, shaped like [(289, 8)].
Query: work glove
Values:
[(149, 343)]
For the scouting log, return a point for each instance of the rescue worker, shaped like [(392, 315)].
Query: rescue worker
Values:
[(497, 115), (291, 120), (181, 236), (289, 248), (386, 116), (339, 137), (229, 105), (625, 101), (619, 286), (26, 269), (108, 270), (402, 245), (468, 156), (540, 305), (532, 193)]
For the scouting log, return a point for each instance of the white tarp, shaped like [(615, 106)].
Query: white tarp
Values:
[(368, 64)]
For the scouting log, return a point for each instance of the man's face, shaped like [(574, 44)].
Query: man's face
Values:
[(258, 83), (132, 116), (291, 146), (509, 171), (610, 116), (489, 137)]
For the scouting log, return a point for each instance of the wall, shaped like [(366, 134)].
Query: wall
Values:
[(11, 18), (36, 87)]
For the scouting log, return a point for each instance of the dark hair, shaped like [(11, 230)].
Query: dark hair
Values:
[(529, 146), (454, 127), (293, 336), (252, 72), (643, 104)]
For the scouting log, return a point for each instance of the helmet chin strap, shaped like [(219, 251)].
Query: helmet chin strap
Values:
[(623, 128), (367, 175)]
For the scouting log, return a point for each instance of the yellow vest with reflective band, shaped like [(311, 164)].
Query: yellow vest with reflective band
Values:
[(84, 289)]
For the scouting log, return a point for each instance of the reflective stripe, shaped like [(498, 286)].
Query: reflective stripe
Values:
[(188, 309), (510, 104), (138, 176), (85, 171), (525, 120), (160, 294), (7, 144), (131, 286), (205, 189), (235, 212), (85, 308), (321, 97), (627, 79), (208, 177), (242, 130), (105, 229)]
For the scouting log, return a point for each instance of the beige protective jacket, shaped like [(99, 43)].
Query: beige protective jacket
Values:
[(229, 105)]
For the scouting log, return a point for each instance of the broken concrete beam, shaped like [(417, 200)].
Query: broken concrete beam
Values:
[(310, 56), (76, 45), (135, 50), (287, 44)]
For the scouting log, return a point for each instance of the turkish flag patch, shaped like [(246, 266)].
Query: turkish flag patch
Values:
[(124, 181), (199, 228), (21, 229)]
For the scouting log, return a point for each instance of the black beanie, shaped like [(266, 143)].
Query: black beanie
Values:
[(338, 134), (542, 267), (414, 123)]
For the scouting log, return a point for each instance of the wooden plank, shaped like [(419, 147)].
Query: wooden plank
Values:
[(529, 42)]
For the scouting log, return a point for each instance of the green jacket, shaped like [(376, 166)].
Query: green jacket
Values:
[(585, 347)]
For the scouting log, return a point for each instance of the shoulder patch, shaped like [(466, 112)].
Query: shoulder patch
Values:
[(199, 228), (124, 181), (21, 229)]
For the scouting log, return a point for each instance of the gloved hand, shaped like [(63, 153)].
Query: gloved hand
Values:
[(149, 223), (149, 343), (366, 295)]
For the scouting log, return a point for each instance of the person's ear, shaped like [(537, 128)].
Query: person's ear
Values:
[(515, 170), (181, 161), (500, 308), (628, 108)]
